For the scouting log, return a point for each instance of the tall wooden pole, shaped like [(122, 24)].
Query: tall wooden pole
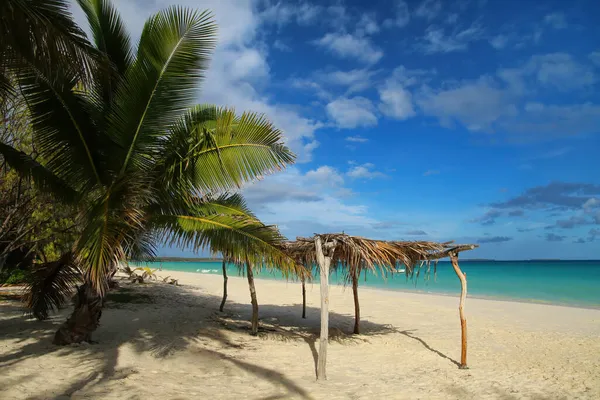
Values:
[(461, 308), (250, 276), (303, 298), (225, 278), (355, 275), (324, 261)]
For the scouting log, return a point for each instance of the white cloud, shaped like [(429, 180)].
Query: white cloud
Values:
[(354, 80), (352, 112), (281, 46), (499, 42), (556, 70), (281, 13), (396, 101), (477, 105), (436, 40), (429, 9), (364, 171), (550, 121), (452, 19), (556, 20), (367, 25), (325, 175), (402, 17), (303, 204), (352, 47), (356, 139)]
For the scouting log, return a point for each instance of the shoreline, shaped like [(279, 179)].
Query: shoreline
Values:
[(416, 291)]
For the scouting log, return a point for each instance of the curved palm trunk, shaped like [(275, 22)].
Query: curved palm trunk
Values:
[(250, 276), (356, 305), (225, 278), (84, 320)]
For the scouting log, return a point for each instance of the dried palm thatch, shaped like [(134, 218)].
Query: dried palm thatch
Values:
[(354, 254)]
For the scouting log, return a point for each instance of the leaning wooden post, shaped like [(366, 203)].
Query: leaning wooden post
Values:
[(355, 274), (461, 308), (324, 261), (250, 276), (225, 278), (303, 297)]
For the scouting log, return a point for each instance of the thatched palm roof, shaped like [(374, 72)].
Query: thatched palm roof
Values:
[(371, 254)]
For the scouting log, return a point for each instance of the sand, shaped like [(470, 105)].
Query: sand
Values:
[(172, 343)]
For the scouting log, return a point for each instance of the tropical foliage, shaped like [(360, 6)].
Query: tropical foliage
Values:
[(140, 163)]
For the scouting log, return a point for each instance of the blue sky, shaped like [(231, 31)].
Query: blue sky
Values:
[(475, 121)]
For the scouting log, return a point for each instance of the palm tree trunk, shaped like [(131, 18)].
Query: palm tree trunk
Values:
[(84, 320), (250, 275), (356, 305), (303, 298), (225, 278)]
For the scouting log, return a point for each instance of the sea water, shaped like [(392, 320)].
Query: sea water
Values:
[(575, 283)]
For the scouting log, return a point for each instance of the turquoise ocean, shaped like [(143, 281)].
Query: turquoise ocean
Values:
[(574, 283)]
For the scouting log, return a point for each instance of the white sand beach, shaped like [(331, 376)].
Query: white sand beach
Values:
[(173, 343)]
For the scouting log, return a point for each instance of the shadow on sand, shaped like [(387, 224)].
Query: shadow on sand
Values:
[(192, 320)]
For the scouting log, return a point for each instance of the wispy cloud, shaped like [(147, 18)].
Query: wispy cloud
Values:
[(429, 9), (552, 237), (556, 20), (356, 139), (281, 46), (402, 17), (430, 172), (436, 40), (346, 45), (352, 112), (417, 233), (494, 239), (364, 171)]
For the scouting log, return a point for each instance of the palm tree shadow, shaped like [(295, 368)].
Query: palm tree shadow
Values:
[(408, 333), (148, 332)]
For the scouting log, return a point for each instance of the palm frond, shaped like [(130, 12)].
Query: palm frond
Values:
[(109, 32), (219, 225), (112, 39), (172, 56), (211, 149), (51, 285), (42, 177), (43, 34), (64, 133)]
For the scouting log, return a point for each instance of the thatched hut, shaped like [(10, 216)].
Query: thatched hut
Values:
[(355, 254)]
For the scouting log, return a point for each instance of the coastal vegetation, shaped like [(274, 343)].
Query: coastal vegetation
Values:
[(120, 141)]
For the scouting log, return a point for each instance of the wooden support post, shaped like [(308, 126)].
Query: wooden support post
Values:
[(225, 278), (355, 275), (461, 308), (250, 276), (303, 298), (324, 253)]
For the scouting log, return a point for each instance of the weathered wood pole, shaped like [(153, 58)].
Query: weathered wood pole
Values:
[(225, 278), (303, 298), (461, 308), (324, 261), (355, 275), (250, 275)]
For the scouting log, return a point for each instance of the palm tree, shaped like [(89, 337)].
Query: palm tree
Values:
[(142, 164), (39, 37)]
